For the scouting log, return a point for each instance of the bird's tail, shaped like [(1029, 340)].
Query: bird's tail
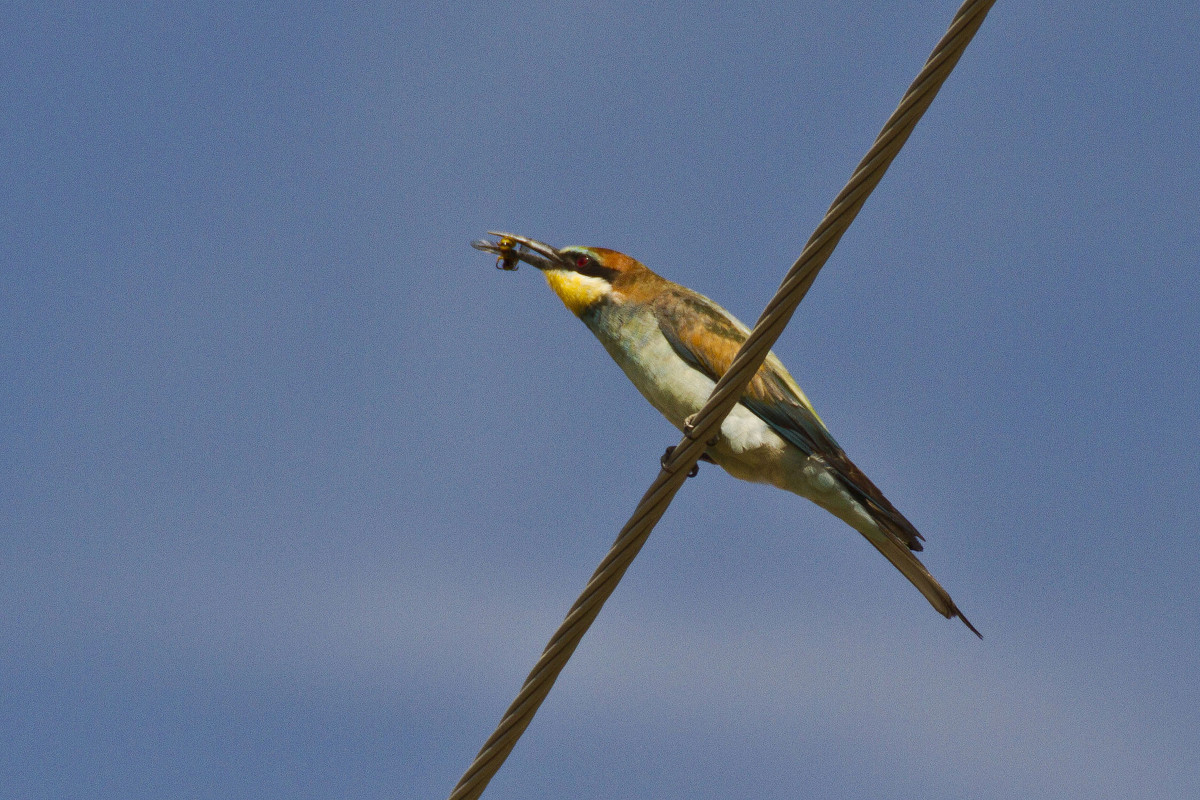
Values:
[(889, 543), (863, 506)]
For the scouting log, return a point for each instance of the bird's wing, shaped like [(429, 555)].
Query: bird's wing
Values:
[(707, 337)]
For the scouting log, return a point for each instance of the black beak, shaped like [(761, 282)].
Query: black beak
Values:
[(513, 248)]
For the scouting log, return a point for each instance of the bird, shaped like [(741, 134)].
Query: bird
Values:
[(674, 344)]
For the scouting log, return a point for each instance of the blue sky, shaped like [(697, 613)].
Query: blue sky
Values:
[(295, 485)]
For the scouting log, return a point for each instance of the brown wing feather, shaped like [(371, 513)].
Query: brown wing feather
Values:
[(709, 337)]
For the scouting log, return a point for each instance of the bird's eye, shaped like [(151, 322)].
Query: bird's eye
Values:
[(582, 261)]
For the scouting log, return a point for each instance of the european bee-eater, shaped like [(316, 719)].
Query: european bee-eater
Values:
[(674, 344)]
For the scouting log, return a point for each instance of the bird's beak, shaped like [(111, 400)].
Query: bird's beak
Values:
[(512, 248)]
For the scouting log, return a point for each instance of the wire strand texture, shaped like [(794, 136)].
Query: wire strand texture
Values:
[(706, 424)]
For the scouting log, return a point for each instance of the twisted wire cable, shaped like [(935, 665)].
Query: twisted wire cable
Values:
[(704, 426)]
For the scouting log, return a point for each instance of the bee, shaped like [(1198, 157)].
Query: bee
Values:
[(508, 254)]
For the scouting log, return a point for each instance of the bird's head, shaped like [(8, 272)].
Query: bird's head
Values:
[(582, 277)]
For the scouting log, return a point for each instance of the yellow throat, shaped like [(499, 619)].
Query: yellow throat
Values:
[(576, 291)]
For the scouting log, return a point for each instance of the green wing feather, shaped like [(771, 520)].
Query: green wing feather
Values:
[(708, 337)]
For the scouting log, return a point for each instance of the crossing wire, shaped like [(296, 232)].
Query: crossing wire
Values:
[(705, 425)]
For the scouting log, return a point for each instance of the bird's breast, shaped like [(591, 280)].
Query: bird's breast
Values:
[(635, 341)]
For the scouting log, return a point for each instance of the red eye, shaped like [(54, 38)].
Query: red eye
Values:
[(581, 261)]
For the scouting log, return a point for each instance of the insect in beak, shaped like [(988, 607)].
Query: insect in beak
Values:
[(508, 255)]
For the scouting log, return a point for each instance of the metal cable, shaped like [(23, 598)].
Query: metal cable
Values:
[(706, 424)]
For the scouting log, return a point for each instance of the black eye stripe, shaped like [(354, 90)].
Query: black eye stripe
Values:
[(585, 264), (595, 270)]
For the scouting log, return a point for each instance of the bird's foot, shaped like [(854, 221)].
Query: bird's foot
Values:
[(694, 471)]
